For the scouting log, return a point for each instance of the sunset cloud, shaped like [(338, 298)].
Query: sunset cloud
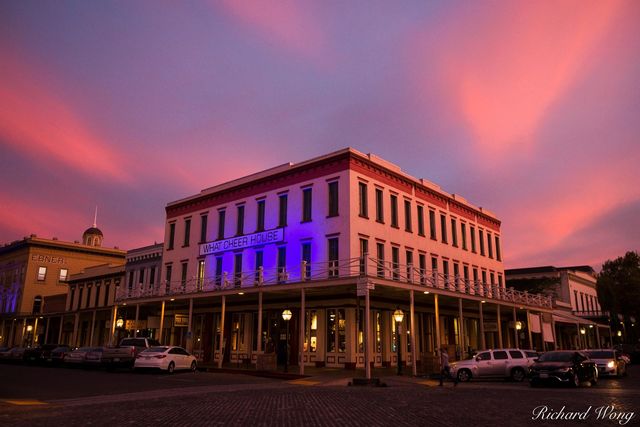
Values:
[(36, 121), (288, 24)]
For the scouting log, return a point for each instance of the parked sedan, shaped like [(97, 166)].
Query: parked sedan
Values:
[(94, 357), (165, 358), (609, 362), (563, 367), (13, 354), (39, 354), (58, 354), (77, 356)]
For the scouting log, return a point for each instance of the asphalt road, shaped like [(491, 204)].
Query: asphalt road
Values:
[(54, 396)]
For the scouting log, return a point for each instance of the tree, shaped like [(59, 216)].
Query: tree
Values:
[(618, 287)]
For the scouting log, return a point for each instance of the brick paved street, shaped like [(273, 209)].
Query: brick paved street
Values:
[(319, 400)]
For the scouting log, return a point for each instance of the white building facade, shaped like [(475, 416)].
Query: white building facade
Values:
[(342, 241)]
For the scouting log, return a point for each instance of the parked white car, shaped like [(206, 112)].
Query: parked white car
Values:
[(166, 358), (499, 363)]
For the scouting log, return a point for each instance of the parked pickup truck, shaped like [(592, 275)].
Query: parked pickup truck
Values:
[(125, 354)]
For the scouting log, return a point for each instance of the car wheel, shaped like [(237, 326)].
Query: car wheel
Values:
[(464, 375), (194, 366), (576, 380), (171, 367), (517, 375)]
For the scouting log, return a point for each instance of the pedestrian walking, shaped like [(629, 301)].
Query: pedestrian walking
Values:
[(445, 369)]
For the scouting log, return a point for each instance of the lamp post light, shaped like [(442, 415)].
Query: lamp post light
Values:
[(398, 315), (286, 315)]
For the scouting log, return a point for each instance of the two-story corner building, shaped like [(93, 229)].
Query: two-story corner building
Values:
[(35, 268), (580, 321), (339, 243)]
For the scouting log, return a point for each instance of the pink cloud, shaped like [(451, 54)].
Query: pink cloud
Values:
[(286, 23), (513, 62), (547, 221), (37, 122)]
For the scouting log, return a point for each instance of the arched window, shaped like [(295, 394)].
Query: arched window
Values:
[(37, 304)]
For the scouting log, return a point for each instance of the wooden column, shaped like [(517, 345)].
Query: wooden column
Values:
[(302, 331), (499, 326), (483, 341), (160, 333), (259, 332), (189, 331), (598, 336), (46, 330), (114, 316), (437, 324), (135, 328), (60, 330), (461, 329), (76, 321), (93, 326), (222, 343), (367, 336), (412, 336), (515, 329)]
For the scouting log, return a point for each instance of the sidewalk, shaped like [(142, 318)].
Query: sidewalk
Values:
[(332, 376)]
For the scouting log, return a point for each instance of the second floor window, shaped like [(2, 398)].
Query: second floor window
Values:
[(362, 197), (240, 225), (472, 233), (306, 204), (64, 274), (333, 198), (489, 245), (187, 231), (420, 220), (333, 257), (42, 273), (172, 235), (221, 218), (432, 225), (282, 214), (407, 216), (394, 210), (203, 228), (454, 232), (261, 210), (379, 205), (443, 227), (463, 234)]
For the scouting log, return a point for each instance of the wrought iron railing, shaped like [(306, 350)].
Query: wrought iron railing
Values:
[(365, 268)]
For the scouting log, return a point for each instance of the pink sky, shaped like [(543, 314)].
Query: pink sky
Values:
[(529, 109)]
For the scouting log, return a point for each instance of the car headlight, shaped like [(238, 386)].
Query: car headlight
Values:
[(611, 364)]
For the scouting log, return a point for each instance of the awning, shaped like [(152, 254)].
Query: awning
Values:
[(571, 319)]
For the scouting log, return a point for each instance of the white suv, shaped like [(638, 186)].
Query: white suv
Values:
[(500, 363)]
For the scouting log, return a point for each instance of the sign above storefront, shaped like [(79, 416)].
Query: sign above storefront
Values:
[(241, 242)]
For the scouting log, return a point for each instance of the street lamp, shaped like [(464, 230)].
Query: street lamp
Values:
[(398, 315), (286, 315)]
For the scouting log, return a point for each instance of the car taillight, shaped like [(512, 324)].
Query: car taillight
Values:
[(160, 356)]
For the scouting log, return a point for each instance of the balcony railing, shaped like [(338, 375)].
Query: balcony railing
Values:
[(337, 269)]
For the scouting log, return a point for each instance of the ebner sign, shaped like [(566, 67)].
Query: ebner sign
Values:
[(262, 238)]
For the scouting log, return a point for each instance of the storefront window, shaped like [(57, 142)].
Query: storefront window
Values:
[(311, 331), (331, 330), (336, 331), (360, 332), (237, 331)]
